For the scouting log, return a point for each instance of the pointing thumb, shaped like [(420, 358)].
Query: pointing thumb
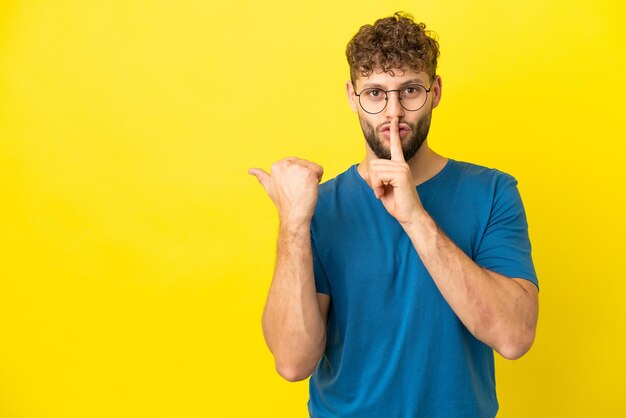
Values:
[(261, 176)]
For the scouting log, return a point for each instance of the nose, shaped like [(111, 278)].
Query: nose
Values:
[(394, 109)]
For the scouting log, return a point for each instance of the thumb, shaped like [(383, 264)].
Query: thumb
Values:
[(262, 177), (379, 191)]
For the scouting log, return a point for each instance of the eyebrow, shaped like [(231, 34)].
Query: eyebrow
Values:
[(406, 83)]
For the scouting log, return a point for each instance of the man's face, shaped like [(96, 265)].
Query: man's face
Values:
[(413, 125)]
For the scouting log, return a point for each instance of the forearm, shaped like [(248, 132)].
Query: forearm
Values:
[(496, 309), (292, 322)]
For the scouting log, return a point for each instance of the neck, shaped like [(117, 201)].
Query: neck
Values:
[(424, 164)]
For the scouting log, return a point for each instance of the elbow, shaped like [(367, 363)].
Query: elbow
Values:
[(515, 348), (512, 352), (293, 372)]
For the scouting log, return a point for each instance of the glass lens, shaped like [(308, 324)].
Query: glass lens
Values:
[(373, 100), (413, 97)]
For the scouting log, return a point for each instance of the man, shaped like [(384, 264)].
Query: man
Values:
[(396, 280)]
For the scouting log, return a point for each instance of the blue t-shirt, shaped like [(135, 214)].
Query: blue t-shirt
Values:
[(394, 346)]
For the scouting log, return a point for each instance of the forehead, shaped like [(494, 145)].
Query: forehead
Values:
[(393, 77)]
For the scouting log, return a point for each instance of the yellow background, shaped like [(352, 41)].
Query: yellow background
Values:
[(136, 252)]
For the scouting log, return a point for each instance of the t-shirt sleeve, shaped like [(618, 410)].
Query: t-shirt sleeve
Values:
[(505, 247), (321, 281)]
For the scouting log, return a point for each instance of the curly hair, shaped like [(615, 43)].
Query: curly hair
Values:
[(395, 42)]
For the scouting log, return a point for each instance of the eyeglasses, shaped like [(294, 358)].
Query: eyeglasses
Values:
[(412, 97)]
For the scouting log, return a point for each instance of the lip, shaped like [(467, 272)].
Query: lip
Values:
[(403, 130), (401, 127)]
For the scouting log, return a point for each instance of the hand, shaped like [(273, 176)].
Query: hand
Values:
[(392, 181), (293, 187)]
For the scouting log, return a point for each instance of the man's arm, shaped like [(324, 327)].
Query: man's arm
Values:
[(294, 318), (500, 311)]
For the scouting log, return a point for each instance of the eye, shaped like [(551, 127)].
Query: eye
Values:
[(374, 94), (412, 91)]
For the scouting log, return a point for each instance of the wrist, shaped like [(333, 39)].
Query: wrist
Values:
[(419, 221), (294, 225)]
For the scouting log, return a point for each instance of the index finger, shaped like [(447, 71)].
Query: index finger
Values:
[(395, 145)]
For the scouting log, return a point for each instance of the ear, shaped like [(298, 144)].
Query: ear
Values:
[(351, 96), (436, 90)]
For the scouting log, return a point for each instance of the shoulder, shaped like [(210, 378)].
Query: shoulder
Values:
[(470, 186), (339, 181), (474, 173), (339, 194), (345, 182), (494, 191), (478, 182)]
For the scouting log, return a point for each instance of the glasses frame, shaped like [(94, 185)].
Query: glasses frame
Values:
[(399, 97)]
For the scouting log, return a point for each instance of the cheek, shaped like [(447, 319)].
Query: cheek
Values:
[(370, 120), (369, 126), (420, 118)]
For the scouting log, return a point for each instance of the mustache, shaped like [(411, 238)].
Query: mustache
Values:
[(384, 125)]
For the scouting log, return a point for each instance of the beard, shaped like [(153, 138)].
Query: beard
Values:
[(419, 132)]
